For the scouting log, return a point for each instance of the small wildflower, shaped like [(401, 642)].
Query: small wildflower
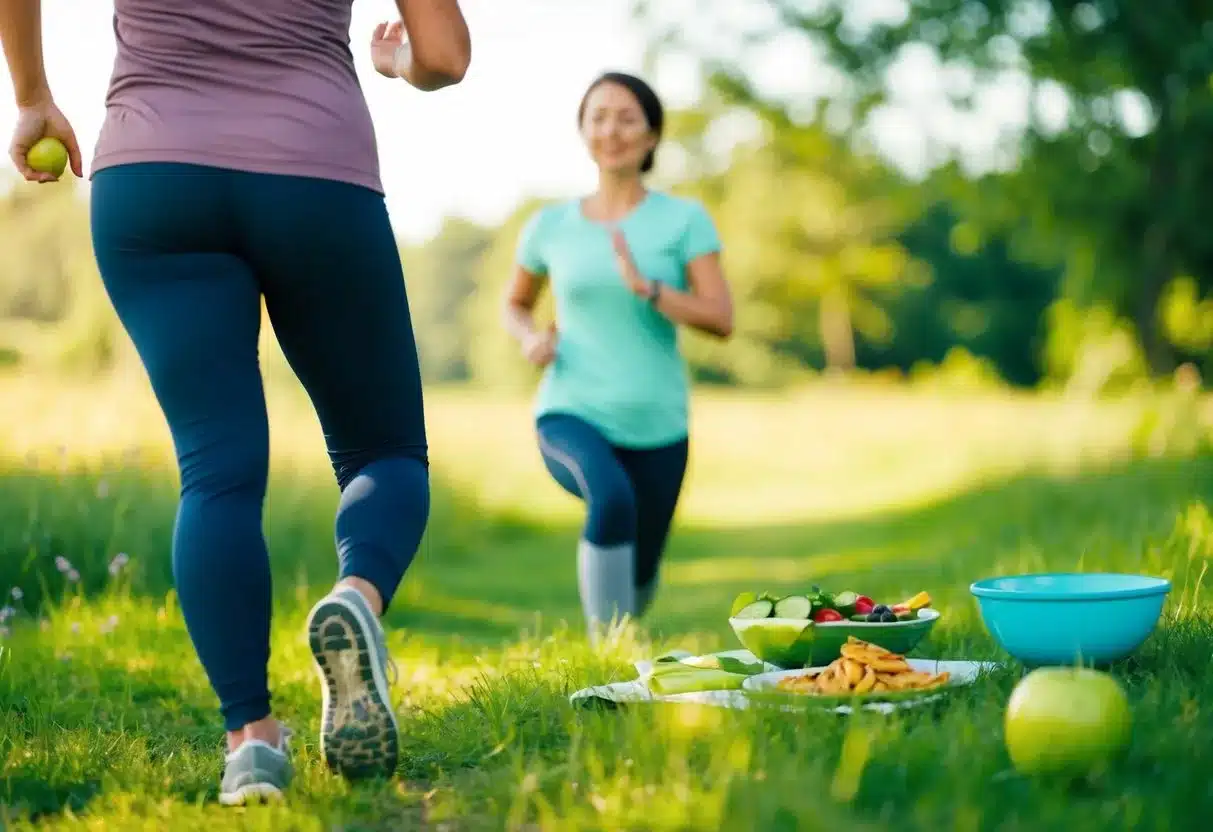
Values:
[(6, 613), (120, 560), (73, 575), (62, 563), (17, 593), (109, 624), (75, 626)]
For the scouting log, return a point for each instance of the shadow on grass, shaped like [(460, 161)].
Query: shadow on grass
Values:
[(31, 797), (480, 579), (483, 578), (1118, 518), (84, 531)]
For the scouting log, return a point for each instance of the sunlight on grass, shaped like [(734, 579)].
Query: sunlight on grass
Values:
[(106, 719)]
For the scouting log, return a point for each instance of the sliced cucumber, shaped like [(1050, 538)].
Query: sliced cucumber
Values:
[(793, 606), (860, 617), (845, 599), (758, 609), (741, 602)]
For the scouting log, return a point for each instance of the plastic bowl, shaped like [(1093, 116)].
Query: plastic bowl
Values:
[(793, 643), (1070, 618)]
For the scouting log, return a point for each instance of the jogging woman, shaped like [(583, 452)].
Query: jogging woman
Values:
[(237, 162), (626, 265)]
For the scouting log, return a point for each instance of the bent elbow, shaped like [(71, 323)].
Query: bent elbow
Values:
[(724, 326), (445, 69)]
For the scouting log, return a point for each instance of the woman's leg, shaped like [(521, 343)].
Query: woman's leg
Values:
[(193, 310), (330, 267), (581, 460), (657, 477)]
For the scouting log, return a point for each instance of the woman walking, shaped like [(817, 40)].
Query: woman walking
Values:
[(237, 162), (626, 265)]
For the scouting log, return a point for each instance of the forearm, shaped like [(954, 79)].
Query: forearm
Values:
[(519, 322), (709, 315), (417, 75), (438, 49), (21, 34)]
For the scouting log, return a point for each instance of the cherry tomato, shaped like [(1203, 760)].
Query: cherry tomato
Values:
[(864, 605), (822, 616)]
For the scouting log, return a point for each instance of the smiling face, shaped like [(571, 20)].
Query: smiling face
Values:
[(615, 129)]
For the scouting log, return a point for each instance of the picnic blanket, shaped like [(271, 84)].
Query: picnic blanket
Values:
[(636, 691)]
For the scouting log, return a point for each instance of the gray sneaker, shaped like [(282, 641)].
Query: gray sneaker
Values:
[(358, 732), (257, 771)]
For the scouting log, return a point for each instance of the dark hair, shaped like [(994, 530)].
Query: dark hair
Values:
[(650, 105)]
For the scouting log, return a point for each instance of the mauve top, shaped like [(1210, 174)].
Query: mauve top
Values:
[(266, 86)]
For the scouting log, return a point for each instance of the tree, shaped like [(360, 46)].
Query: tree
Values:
[(1121, 174), (441, 277)]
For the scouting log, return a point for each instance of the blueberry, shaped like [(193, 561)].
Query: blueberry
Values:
[(880, 608), (888, 617), (874, 617)]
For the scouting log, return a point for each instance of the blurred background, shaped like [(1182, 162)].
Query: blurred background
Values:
[(965, 239), (1013, 192)]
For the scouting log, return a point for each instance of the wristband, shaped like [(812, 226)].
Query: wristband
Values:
[(402, 60), (654, 291)]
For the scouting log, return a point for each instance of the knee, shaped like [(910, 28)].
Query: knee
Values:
[(347, 465), (612, 514), (225, 468)]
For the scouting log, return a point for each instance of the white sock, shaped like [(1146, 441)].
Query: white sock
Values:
[(605, 577)]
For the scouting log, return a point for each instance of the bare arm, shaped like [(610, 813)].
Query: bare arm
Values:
[(21, 34), (538, 347), (520, 299), (708, 306), (439, 41)]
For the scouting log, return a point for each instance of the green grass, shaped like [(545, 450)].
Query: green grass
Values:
[(106, 720)]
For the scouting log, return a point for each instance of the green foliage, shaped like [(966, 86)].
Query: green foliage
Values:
[(442, 280), (1111, 171), (107, 720)]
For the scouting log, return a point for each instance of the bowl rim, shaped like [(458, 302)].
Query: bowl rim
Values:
[(1150, 585), (930, 619)]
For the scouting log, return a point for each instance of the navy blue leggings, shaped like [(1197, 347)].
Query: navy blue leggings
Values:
[(630, 494), (187, 254)]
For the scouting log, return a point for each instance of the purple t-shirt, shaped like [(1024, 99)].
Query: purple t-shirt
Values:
[(266, 86)]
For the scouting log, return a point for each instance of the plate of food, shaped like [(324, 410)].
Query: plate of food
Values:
[(809, 629), (866, 672)]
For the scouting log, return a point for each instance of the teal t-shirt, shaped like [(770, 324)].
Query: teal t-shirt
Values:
[(617, 362)]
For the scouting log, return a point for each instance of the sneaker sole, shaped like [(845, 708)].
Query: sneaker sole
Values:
[(252, 793), (359, 737)]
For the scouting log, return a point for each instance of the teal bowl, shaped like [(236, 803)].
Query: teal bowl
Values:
[(1070, 618), (793, 643)]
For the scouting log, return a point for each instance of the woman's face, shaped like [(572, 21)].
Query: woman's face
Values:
[(615, 129)]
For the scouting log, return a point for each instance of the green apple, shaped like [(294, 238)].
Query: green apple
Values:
[(1067, 721), (48, 155)]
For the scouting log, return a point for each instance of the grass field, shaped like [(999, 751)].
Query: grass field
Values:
[(106, 720)]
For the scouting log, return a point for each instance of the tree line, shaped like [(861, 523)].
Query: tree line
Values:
[(1083, 261)]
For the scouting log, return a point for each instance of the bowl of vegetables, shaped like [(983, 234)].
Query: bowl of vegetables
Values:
[(809, 630)]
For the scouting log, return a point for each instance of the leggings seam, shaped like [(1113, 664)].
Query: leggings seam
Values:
[(570, 464)]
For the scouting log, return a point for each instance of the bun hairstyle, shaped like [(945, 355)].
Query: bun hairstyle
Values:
[(650, 105)]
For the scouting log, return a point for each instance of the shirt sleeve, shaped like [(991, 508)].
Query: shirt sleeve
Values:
[(529, 253), (700, 236)]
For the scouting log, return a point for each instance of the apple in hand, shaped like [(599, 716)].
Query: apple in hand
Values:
[(48, 155)]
